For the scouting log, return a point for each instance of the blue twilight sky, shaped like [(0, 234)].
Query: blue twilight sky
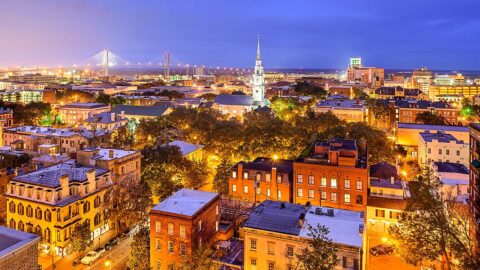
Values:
[(441, 34)]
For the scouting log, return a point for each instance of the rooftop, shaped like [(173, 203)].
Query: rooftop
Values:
[(104, 153), (239, 100), (266, 164), (50, 176), (440, 137), (386, 183), (450, 167), (12, 240), (186, 147), (434, 127), (383, 170), (104, 118), (340, 104), (186, 202), (388, 203), (84, 105), (141, 110)]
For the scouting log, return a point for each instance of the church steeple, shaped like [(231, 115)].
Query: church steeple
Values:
[(258, 48)]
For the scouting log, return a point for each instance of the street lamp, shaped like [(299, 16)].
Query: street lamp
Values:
[(108, 263)]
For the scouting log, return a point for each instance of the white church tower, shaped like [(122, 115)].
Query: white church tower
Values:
[(258, 87)]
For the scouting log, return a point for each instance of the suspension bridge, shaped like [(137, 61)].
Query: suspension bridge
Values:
[(106, 60)]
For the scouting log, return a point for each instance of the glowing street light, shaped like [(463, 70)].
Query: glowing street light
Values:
[(108, 263)]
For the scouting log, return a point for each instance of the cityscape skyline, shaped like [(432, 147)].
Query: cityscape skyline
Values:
[(440, 34)]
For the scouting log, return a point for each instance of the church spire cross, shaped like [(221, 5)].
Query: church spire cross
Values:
[(258, 48)]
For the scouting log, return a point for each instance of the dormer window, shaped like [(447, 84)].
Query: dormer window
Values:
[(37, 194)]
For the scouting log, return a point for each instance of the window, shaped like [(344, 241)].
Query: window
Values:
[(29, 211), (38, 213), (347, 183), (299, 192), (245, 189), (158, 265), (447, 152), (12, 207), (279, 179), (359, 199), (86, 207), (253, 262), (344, 262), (271, 265), (429, 150), (158, 245), (333, 196), (170, 246), (324, 195), (346, 198), (12, 224), (96, 202), (234, 174), (245, 175), (458, 152), (439, 151), (200, 225), (290, 251), (271, 248), (170, 228), (311, 180), (253, 244), (379, 213), (158, 226), (216, 210), (268, 192), (323, 182), (183, 249), (48, 215), (182, 231), (234, 188), (300, 178), (97, 219), (359, 185), (394, 215), (311, 193), (216, 226), (333, 183), (268, 177), (279, 194), (20, 209), (258, 177)]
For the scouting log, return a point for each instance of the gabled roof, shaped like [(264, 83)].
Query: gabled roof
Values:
[(141, 110), (383, 170), (240, 100)]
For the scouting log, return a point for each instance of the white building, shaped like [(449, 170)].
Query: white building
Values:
[(441, 147), (454, 178)]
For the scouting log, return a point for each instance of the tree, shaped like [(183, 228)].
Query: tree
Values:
[(238, 92), (429, 118), (220, 180), (103, 98), (195, 174), (128, 202), (69, 96), (200, 259), (139, 258), (122, 137), (431, 227), (321, 253), (308, 89), (81, 237), (160, 179), (208, 96)]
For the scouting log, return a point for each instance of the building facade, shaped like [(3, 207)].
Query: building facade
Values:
[(18, 250), (180, 224), (262, 179), (332, 173), (441, 147), (474, 183), (76, 113)]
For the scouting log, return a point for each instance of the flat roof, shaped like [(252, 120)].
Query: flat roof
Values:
[(186, 147), (85, 105), (266, 164), (344, 226), (12, 240), (450, 167), (428, 136), (186, 202), (433, 127)]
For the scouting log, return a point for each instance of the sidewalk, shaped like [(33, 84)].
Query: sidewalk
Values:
[(45, 260)]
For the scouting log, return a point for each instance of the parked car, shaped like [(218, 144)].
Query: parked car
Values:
[(100, 250), (382, 250), (90, 257), (76, 261), (134, 230), (112, 242)]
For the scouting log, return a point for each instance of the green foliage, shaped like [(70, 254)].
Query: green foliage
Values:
[(69, 96), (307, 89), (208, 96), (200, 259), (122, 137), (81, 237), (35, 113), (103, 98), (220, 180), (432, 226), (429, 118), (171, 94), (128, 201), (139, 258), (321, 253), (238, 92)]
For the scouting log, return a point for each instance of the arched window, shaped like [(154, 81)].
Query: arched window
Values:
[(21, 226), (20, 209), (29, 211), (38, 213), (48, 215), (12, 207), (12, 224), (38, 230), (97, 219), (47, 235), (86, 207)]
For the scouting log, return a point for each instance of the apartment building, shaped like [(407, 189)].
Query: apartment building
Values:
[(441, 147), (76, 113)]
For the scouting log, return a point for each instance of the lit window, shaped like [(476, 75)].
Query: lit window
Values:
[(324, 195), (311, 180), (245, 189), (268, 192), (234, 188), (234, 174), (346, 198), (245, 175), (311, 193), (279, 194), (323, 182), (347, 183), (170, 228), (333, 183), (333, 196), (299, 192), (268, 177), (158, 226), (300, 178), (253, 244), (182, 231), (170, 246), (359, 185)]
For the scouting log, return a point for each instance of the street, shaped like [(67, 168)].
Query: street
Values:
[(118, 255)]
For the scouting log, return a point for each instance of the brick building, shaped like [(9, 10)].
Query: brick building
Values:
[(332, 173), (262, 179), (18, 250), (474, 185), (179, 224)]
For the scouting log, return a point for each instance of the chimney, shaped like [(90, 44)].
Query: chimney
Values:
[(122, 114), (392, 180), (112, 117), (64, 185), (301, 220), (110, 153)]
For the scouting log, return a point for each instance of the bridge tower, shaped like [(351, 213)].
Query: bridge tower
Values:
[(166, 66), (105, 62)]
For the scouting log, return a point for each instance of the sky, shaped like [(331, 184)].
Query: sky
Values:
[(440, 34)]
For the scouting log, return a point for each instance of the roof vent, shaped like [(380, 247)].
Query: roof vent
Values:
[(362, 214), (318, 211), (360, 228), (330, 213), (282, 205)]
